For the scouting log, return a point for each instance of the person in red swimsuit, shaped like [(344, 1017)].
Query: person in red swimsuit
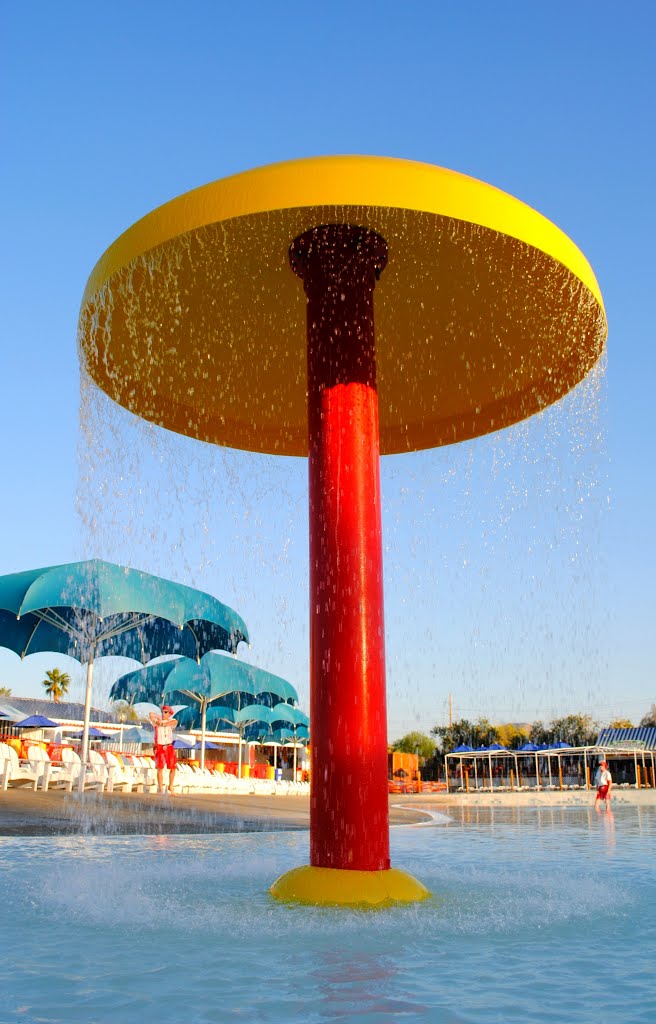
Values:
[(164, 749), (604, 784)]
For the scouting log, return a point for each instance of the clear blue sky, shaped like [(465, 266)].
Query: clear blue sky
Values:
[(519, 569)]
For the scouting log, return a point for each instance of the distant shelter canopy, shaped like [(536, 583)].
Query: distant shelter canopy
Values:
[(632, 762), (639, 737)]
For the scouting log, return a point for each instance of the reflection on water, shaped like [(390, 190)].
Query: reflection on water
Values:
[(366, 988), (182, 927)]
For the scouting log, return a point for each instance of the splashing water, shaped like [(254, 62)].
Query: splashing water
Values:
[(491, 572), (492, 559), (529, 902)]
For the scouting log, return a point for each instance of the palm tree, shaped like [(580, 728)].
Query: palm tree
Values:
[(5, 691), (125, 712), (56, 684), (650, 717)]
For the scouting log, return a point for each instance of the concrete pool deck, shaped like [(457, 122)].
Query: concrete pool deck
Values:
[(24, 812)]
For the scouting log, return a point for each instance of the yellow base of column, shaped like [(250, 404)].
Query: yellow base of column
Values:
[(339, 887)]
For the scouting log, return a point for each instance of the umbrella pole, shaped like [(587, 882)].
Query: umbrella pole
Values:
[(239, 757), (203, 720), (87, 716)]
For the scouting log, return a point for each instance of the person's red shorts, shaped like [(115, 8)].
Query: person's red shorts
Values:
[(602, 792), (165, 756)]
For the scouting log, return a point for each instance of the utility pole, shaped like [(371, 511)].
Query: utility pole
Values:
[(450, 710)]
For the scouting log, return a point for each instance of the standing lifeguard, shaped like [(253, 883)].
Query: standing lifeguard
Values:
[(164, 749)]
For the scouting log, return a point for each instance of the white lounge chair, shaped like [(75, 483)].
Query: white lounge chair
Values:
[(98, 770), (18, 772), (94, 777), (144, 775), (185, 778), (4, 765), (148, 770), (205, 780), (39, 761), (119, 776)]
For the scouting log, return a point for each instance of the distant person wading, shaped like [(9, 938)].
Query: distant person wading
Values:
[(604, 784)]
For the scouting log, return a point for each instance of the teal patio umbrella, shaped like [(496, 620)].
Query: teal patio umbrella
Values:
[(260, 720), (215, 679), (286, 726), (94, 608), (283, 738), (135, 734)]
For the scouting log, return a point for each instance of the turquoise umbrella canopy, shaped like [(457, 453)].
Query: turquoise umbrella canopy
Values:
[(105, 609), (219, 716), (281, 725), (213, 677), (95, 608)]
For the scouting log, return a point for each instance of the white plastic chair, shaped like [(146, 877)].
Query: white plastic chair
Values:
[(264, 787), (99, 771), (225, 782), (118, 775), (4, 765), (185, 778), (140, 771), (39, 761), (17, 772), (203, 778), (148, 770), (94, 777)]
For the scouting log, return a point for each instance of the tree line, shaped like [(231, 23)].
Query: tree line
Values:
[(575, 730)]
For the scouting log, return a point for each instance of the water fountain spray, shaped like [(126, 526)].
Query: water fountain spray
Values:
[(485, 314)]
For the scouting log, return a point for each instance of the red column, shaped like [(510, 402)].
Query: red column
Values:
[(349, 820)]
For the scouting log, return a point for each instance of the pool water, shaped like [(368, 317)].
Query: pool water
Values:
[(540, 913)]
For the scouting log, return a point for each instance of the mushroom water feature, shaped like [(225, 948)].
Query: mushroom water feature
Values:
[(485, 313)]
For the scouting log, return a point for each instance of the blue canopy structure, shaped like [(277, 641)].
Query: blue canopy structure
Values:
[(637, 736)]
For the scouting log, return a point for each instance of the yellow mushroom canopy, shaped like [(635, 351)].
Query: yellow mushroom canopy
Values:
[(485, 314)]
